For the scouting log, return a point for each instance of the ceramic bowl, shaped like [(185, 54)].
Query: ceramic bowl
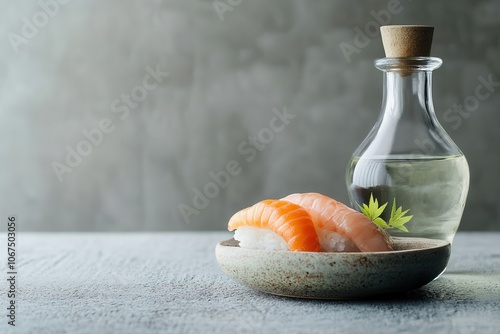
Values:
[(414, 263)]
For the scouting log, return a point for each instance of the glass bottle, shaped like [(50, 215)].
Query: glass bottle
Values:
[(408, 156)]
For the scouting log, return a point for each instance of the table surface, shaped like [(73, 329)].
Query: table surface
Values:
[(171, 283)]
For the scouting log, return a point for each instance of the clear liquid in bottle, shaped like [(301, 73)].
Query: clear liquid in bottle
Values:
[(434, 189)]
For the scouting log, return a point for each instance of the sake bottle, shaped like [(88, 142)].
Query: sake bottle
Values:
[(408, 160)]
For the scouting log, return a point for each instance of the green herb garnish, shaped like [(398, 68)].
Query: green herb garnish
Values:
[(397, 219), (373, 211)]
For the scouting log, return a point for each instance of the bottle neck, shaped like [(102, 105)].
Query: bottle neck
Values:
[(408, 95), (407, 125), (408, 87)]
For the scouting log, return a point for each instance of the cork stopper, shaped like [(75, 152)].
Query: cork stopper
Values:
[(407, 40)]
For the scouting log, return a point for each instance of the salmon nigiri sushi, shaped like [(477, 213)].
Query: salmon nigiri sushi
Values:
[(341, 228), (275, 225)]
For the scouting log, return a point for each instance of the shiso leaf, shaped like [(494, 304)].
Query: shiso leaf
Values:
[(372, 210), (364, 209), (380, 222), (402, 228), (397, 219)]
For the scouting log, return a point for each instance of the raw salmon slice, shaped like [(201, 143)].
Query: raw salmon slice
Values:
[(329, 214), (286, 219)]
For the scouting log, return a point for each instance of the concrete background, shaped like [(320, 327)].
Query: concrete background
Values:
[(68, 69)]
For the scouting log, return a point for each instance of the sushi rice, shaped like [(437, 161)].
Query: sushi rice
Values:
[(265, 239), (259, 238)]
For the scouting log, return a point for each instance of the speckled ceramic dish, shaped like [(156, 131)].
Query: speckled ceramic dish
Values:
[(414, 263)]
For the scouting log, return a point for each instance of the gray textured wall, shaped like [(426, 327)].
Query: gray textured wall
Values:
[(228, 69)]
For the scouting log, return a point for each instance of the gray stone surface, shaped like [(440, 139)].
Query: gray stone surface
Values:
[(170, 283), (226, 76)]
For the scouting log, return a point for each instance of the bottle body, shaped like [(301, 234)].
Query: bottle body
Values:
[(409, 158), (434, 189)]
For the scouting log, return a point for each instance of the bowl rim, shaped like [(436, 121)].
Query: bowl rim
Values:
[(433, 244)]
